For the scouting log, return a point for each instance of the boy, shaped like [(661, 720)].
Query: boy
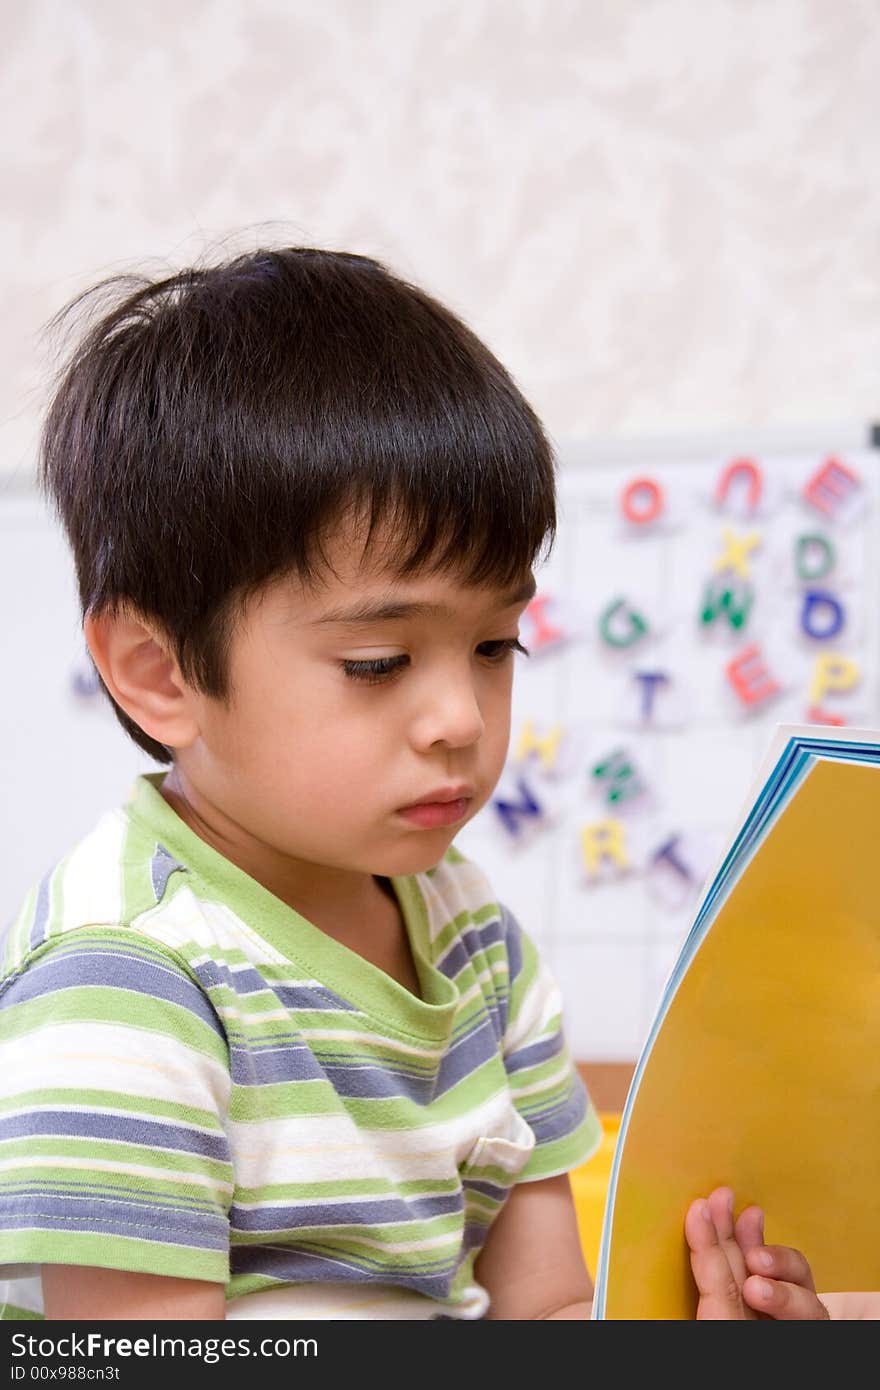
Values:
[(270, 1047)]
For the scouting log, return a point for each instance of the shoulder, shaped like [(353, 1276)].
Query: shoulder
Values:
[(119, 878)]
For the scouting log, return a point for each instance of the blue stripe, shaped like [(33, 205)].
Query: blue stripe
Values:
[(369, 1214), (30, 1217), (469, 1054), (41, 910), (359, 1076), (497, 1191), (356, 1081), (534, 1053), (128, 1129), (310, 998), (272, 1065), (558, 1120), (396, 1065), (303, 1266), (97, 965), (58, 1187), (471, 941)]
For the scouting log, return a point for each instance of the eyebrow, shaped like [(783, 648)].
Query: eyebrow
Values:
[(387, 610)]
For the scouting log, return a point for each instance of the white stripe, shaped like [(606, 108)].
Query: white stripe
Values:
[(380, 1040), (545, 1085), (211, 925), (482, 977), (91, 895), (252, 1016), (540, 1005), (329, 1148), (51, 1107), (96, 1165), (111, 1057)]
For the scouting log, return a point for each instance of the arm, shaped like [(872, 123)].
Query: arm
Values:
[(531, 1263), (739, 1277), (74, 1293), (140, 1082)]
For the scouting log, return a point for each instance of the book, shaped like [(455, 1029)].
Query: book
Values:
[(761, 1069)]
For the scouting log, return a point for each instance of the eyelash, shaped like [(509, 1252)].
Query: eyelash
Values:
[(382, 667)]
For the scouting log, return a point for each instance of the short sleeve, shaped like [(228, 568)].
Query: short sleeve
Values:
[(546, 1087), (114, 1083)]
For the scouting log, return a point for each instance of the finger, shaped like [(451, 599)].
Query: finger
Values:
[(786, 1302), (749, 1230), (719, 1290), (721, 1206), (782, 1263)]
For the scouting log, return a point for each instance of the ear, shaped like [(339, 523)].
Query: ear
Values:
[(143, 677)]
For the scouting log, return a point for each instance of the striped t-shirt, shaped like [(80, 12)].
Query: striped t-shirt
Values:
[(196, 1081)]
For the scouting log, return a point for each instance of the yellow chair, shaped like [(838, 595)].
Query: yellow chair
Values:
[(589, 1185)]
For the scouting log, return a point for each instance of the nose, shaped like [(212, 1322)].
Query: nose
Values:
[(448, 712)]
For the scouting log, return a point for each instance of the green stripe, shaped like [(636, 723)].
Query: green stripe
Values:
[(10, 1312), (112, 1100), (352, 1187), (109, 1004), (116, 1252), (561, 1155), (345, 1235), (90, 1151)]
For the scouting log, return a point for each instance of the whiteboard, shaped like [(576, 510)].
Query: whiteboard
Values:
[(610, 935)]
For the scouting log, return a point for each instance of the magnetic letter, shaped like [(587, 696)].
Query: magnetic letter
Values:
[(547, 747), (822, 716), (604, 839), (831, 485), (666, 855), (642, 501), (813, 557), (637, 625), (650, 681), (734, 601), (736, 550), (832, 673), (510, 811), (816, 604), (624, 782), (749, 677), (545, 634), (741, 468)]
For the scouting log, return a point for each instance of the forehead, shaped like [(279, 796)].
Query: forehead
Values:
[(442, 601), (356, 588)]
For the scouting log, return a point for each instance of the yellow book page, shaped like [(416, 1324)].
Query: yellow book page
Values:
[(765, 1073)]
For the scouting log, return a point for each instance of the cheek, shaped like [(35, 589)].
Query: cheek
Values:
[(496, 717)]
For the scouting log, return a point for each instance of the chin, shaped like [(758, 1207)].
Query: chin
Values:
[(423, 851)]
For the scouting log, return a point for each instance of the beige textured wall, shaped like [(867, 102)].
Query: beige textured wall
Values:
[(663, 215)]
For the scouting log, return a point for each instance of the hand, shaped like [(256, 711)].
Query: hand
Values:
[(737, 1275)]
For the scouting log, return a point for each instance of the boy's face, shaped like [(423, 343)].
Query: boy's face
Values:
[(342, 716)]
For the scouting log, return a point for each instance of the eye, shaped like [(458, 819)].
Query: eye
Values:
[(500, 650), (371, 672)]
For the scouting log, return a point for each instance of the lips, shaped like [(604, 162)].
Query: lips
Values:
[(444, 806), (441, 795)]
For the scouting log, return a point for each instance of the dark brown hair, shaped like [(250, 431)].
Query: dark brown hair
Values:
[(210, 427)]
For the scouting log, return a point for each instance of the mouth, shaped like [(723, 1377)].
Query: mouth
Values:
[(440, 808)]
